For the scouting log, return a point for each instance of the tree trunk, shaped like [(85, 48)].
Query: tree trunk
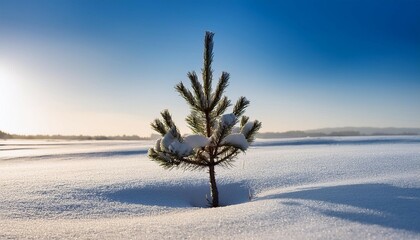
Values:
[(213, 187)]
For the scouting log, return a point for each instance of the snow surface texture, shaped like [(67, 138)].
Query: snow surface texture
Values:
[(311, 188)]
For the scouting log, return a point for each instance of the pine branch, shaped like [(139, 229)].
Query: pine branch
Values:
[(221, 107), (208, 59), (244, 120), (195, 123), (167, 125), (193, 162), (175, 133), (187, 95), (167, 119), (190, 166), (240, 106), (250, 136), (227, 164), (220, 89), (223, 151), (159, 127), (221, 132), (198, 90), (161, 158), (229, 157), (170, 160)]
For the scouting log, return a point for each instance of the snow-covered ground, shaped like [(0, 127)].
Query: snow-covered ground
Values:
[(312, 188)]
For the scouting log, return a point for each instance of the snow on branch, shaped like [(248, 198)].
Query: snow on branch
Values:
[(196, 141), (247, 128), (228, 120), (237, 140), (181, 147), (240, 106)]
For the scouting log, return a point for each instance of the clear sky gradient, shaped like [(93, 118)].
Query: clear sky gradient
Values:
[(109, 67)]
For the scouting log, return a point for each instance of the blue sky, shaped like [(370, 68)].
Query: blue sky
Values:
[(109, 67)]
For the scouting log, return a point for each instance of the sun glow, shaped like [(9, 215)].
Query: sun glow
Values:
[(10, 97), (8, 82)]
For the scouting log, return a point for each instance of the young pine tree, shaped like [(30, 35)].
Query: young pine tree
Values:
[(215, 139)]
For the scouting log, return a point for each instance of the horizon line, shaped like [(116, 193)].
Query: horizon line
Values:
[(152, 134)]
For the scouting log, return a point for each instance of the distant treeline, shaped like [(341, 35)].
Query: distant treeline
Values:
[(289, 134), (300, 134), (4, 135)]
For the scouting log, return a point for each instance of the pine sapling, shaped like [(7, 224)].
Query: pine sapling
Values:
[(217, 137)]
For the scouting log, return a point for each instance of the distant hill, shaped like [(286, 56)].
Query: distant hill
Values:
[(342, 131)]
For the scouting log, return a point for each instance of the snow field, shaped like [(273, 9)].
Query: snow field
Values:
[(298, 191)]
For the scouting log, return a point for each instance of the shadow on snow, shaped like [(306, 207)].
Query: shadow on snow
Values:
[(182, 196), (398, 207)]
